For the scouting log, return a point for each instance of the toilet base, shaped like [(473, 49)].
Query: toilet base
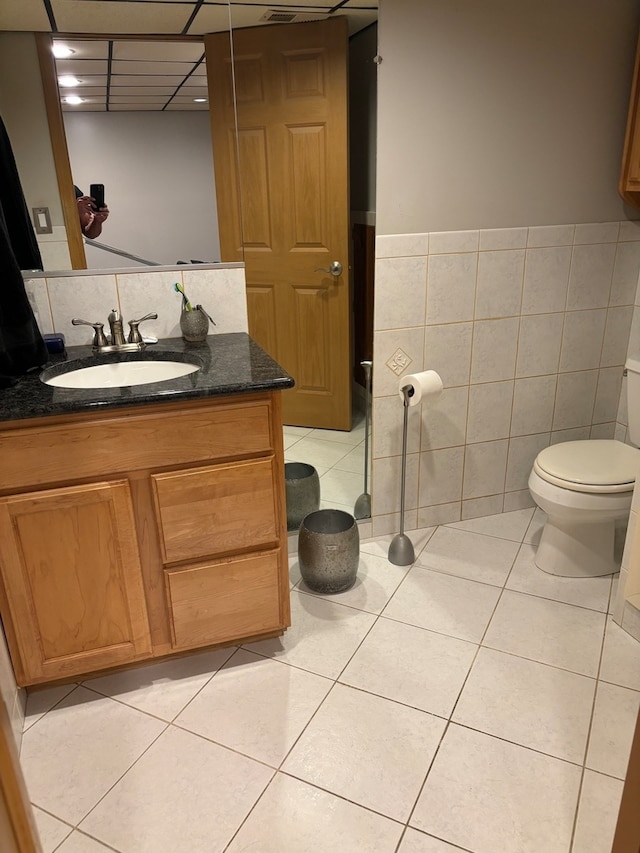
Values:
[(577, 550)]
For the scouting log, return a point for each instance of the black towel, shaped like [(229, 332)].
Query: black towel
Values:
[(21, 344)]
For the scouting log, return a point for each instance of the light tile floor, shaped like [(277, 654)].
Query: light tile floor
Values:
[(468, 702)]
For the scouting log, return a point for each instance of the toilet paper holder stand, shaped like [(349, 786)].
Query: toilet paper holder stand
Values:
[(401, 551)]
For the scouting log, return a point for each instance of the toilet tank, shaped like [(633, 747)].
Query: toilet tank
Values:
[(633, 400)]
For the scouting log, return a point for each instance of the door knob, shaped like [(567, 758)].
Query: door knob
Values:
[(335, 269)]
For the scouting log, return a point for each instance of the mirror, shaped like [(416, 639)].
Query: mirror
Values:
[(142, 129), (362, 176)]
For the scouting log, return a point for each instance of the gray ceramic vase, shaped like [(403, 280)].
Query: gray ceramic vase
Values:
[(194, 325), (329, 550), (302, 487)]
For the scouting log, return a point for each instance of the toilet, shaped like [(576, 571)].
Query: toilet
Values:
[(584, 487)]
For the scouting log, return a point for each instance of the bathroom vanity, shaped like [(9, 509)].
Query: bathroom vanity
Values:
[(143, 521)]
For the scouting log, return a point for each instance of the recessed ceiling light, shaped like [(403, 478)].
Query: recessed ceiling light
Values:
[(73, 99), (68, 80), (61, 51), (200, 100)]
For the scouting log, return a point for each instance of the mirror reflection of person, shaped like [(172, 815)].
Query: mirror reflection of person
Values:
[(91, 218)]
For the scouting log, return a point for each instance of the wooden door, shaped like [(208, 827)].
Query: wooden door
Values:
[(71, 581), (283, 201)]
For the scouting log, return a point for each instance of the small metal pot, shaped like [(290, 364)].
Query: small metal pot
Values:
[(329, 550), (302, 489)]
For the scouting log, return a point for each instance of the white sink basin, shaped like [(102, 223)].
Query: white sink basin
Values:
[(121, 373)]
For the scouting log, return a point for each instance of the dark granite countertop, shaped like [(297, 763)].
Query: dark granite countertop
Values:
[(229, 364)]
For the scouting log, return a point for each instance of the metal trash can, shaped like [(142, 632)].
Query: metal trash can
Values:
[(302, 491), (329, 550)]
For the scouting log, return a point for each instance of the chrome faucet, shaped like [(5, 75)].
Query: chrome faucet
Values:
[(116, 341), (115, 324)]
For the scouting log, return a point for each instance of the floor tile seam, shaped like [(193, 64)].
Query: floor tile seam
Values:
[(486, 645), (591, 719), (126, 705), (426, 776), (249, 811), (120, 778), (617, 684), (346, 799), (347, 446), (451, 526), (420, 531), (318, 596), (416, 565), (268, 656), (206, 684), (304, 728), (455, 847), (505, 739), (69, 826), (541, 663), (44, 714), (86, 834), (555, 600), (536, 751), (182, 727), (432, 630), (462, 577), (389, 699), (287, 663)]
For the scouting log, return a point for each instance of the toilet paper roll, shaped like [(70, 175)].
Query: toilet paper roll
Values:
[(421, 385)]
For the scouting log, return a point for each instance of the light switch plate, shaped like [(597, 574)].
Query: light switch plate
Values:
[(42, 220)]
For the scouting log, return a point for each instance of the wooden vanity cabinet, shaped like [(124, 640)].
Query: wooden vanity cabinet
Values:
[(140, 533)]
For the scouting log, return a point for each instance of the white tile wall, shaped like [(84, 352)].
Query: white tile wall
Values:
[(56, 298), (529, 329)]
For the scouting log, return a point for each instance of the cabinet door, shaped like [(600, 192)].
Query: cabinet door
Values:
[(216, 510), (226, 600), (72, 581)]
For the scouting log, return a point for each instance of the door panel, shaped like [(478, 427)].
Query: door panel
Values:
[(291, 85)]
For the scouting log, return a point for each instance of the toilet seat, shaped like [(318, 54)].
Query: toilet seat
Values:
[(592, 466)]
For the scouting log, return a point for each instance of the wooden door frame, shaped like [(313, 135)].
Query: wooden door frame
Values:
[(627, 836), (18, 832)]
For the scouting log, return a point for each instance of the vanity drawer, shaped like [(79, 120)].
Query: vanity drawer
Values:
[(216, 510), (222, 601), (140, 438)]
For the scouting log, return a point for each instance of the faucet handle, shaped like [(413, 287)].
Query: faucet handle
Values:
[(134, 335), (99, 337)]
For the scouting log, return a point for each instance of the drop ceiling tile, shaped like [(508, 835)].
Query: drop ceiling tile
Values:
[(133, 80), (177, 51), (113, 16), (132, 108), (130, 66), (157, 91), (27, 15), (212, 19), (81, 67), (197, 81)]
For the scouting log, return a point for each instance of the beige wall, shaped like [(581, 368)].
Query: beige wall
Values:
[(504, 257), (23, 111), (498, 114)]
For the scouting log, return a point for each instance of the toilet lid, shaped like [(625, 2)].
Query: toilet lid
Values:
[(589, 466)]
